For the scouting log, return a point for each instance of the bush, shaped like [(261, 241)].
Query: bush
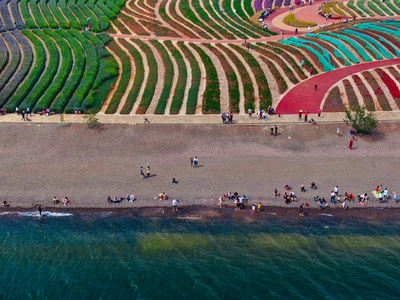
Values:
[(33, 76), (104, 21), (98, 44), (262, 83), (76, 74), (139, 77), (291, 20), (13, 63), (234, 94), (90, 119), (47, 14), (29, 21), (124, 80), (353, 7), (346, 9), (73, 22), (92, 65), (360, 4), (59, 80), (113, 6), (360, 120), (179, 92), (151, 79), (193, 95), (334, 102), (22, 70), (169, 76), (108, 12), (248, 88), (77, 12), (58, 15), (40, 20), (105, 38)]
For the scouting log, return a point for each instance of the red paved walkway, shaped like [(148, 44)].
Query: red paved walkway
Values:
[(304, 97)]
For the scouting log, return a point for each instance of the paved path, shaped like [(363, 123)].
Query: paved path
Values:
[(304, 96)]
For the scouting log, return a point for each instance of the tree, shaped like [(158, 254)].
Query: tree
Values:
[(361, 120), (91, 120)]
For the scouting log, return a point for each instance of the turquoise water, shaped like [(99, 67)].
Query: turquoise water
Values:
[(103, 256)]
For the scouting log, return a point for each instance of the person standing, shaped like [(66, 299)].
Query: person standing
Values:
[(272, 130), (394, 197), (17, 110), (250, 113), (300, 113), (305, 116), (301, 210), (174, 205), (319, 112), (148, 171), (296, 31), (333, 197), (40, 209), (351, 144), (259, 207), (336, 189), (253, 209), (23, 115), (196, 162), (303, 64), (338, 132), (311, 71), (28, 111), (191, 161), (276, 130), (141, 172)]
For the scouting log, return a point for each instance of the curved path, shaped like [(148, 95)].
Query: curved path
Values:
[(304, 96)]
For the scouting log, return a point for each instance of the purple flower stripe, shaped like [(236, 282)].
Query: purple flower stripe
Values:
[(20, 24), (287, 2), (278, 3), (268, 3), (258, 5), (5, 14)]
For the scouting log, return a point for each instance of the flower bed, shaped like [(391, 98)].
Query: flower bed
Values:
[(327, 47), (383, 7), (360, 4), (248, 89), (383, 101), (351, 95), (353, 7), (334, 102), (13, 62), (234, 95), (211, 96), (392, 86), (280, 81), (179, 92), (270, 55), (369, 103), (291, 20), (263, 88), (374, 35), (346, 9), (376, 9), (299, 55)]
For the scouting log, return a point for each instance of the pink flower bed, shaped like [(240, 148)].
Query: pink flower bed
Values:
[(369, 103), (383, 101)]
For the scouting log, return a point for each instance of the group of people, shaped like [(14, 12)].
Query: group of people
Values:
[(143, 175), (239, 200), (383, 194), (116, 200), (265, 14), (194, 162), (227, 117), (24, 114), (65, 201)]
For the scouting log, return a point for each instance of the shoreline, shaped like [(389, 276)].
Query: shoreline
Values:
[(226, 213)]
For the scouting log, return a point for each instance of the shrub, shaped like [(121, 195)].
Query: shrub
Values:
[(334, 102), (98, 44), (108, 12), (151, 79), (382, 6), (47, 14), (104, 21), (22, 70), (14, 62), (33, 76), (383, 101), (105, 38), (234, 95), (291, 20), (59, 80), (92, 65), (360, 4), (113, 6), (353, 7), (73, 6), (40, 20), (29, 21), (193, 95), (169, 76), (139, 77), (248, 88), (76, 74), (351, 96), (211, 96), (124, 80), (360, 120), (179, 93), (90, 119), (368, 101), (73, 22), (52, 4)]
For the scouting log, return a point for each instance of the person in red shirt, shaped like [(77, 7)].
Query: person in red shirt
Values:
[(305, 116), (351, 144)]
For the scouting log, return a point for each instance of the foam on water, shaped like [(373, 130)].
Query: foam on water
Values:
[(36, 214)]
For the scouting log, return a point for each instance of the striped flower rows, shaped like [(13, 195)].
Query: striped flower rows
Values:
[(70, 70)]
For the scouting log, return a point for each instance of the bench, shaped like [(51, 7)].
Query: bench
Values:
[(3, 111), (43, 113)]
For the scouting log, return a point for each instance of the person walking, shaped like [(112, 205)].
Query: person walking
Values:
[(305, 116), (250, 112), (333, 197), (338, 132), (276, 130), (272, 130), (40, 210), (28, 111), (141, 173), (17, 110), (394, 197), (196, 162), (253, 209), (351, 144), (319, 112), (148, 171), (301, 210), (23, 115), (300, 113), (174, 205), (311, 71)]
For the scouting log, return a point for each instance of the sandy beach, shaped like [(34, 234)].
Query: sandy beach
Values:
[(40, 161)]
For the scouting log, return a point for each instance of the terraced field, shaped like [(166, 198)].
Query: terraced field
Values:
[(55, 54)]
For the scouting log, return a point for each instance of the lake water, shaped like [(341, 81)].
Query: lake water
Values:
[(106, 256)]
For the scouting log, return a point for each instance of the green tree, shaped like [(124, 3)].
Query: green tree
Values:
[(91, 120), (361, 120)]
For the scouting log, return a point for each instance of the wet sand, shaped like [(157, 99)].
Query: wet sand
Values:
[(39, 161)]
